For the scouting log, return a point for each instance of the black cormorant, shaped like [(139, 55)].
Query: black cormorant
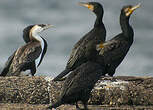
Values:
[(113, 51), (30, 55), (78, 85), (85, 49)]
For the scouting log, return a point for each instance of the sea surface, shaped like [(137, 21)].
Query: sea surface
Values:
[(71, 22)]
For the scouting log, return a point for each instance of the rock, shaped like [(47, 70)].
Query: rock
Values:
[(111, 91), (70, 107), (121, 90), (31, 90)]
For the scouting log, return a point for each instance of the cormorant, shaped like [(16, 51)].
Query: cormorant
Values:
[(113, 51), (85, 49), (30, 55), (78, 85)]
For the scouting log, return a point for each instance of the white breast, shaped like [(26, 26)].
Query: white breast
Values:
[(36, 35), (39, 58)]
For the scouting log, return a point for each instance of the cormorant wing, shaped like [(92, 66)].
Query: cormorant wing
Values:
[(7, 65), (76, 58), (75, 55), (28, 53), (81, 50), (83, 77), (23, 58), (107, 46), (112, 49)]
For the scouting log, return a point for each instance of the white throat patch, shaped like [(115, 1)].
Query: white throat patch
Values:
[(35, 33)]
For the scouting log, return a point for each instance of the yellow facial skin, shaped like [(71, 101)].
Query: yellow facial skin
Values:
[(129, 11), (90, 7)]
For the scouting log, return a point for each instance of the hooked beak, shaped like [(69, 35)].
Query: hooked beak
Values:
[(133, 9), (47, 26), (90, 7)]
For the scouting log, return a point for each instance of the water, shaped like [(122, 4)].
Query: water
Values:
[(71, 23)]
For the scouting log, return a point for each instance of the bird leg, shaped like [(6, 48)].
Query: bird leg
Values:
[(77, 106), (85, 105), (33, 70)]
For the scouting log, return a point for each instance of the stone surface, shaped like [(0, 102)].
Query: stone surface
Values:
[(32, 90), (120, 91), (123, 91), (70, 107)]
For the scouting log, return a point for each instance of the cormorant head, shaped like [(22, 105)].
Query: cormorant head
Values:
[(34, 29), (38, 28), (96, 7), (128, 10)]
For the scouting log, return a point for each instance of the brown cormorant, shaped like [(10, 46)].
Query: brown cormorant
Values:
[(113, 51), (85, 49), (30, 55), (78, 85)]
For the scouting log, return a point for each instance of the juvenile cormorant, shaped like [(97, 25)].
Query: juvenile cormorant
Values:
[(85, 49), (30, 55), (78, 85), (114, 50)]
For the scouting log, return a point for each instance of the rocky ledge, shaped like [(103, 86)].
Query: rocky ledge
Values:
[(109, 93)]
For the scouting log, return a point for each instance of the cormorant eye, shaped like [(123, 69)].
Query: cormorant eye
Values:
[(127, 10)]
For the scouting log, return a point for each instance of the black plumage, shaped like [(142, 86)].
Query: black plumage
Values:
[(85, 49), (78, 85), (28, 56), (26, 33), (113, 51)]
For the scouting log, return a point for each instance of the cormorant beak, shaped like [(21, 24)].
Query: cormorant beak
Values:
[(47, 26), (89, 6), (131, 10)]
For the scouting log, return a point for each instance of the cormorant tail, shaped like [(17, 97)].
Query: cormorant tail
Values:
[(61, 75), (4, 72), (7, 65)]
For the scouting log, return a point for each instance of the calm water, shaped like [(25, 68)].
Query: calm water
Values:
[(71, 23)]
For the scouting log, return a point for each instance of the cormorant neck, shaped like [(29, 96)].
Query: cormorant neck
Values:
[(35, 36), (26, 37), (125, 26), (44, 49), (98, 21), (42, 43)]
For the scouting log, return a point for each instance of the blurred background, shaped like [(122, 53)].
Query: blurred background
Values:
[(71, 22)]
